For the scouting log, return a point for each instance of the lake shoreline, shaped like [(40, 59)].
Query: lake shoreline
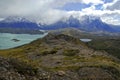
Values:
[(6, 39)]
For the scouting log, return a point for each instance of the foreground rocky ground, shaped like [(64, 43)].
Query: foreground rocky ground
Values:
[(57, 57)]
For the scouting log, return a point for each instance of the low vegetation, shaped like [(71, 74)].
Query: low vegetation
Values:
[(109, 45), (70, 52), (50, 59)]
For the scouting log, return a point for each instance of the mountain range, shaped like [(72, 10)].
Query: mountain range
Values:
[(84, 23), (19, 25), (18, 22)]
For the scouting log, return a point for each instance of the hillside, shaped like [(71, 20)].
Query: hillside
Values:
[(109, 45), (57, 57), (83, 34)]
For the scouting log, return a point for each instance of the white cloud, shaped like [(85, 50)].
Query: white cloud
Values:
[(52, 16), (109, 4), (1, 19), (46, 11), (115, 5), (26, 7), (95, 2), (89, 10), (22, 7), (107, 16), (113, 18)]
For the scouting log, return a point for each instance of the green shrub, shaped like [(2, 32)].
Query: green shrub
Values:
[(23, 68), (46, 52), (70, 52)]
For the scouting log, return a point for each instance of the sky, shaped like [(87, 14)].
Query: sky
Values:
[(51, 11)]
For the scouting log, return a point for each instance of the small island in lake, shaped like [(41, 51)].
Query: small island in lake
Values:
[(15, 40)]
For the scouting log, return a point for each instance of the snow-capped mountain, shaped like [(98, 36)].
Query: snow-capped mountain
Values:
[(85, 23), (14, 19), (18, 25), (18, 22)]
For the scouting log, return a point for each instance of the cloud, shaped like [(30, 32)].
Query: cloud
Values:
[(95, 2), (107, 16), (51, 16), (48, 11), (22, 7), (114, 5), (31, 9), (27, 7), (112, 18)]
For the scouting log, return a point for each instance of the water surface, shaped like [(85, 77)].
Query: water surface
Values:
[(8, 40), (86, 40)]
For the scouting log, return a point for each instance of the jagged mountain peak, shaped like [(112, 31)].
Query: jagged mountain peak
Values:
[(85, 18), (84, 23), (15, 19)]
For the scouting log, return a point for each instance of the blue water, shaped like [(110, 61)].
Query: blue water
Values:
[(86, 40), (6, 41)]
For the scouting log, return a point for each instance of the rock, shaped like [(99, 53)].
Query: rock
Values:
[(15, 40), (61, 73)]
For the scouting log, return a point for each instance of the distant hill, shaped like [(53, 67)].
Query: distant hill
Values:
[(83, 34), (57, 57)]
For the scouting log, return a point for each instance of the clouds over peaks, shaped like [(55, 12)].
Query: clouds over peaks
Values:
[(50, 11)]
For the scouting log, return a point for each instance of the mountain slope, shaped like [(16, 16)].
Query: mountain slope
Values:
[(86, 23), (83, 34), (58, 57), (19, 25), (110, 45), (17, 22)]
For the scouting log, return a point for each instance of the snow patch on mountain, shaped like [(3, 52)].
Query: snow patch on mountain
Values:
[(15, 19)]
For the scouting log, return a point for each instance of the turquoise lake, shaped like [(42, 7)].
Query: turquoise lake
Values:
[(6, 39), (86, 40)]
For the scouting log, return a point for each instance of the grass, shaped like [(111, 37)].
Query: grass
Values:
[(70, 52), (109, 45), (48, 51), (71, 61), (23, 67)]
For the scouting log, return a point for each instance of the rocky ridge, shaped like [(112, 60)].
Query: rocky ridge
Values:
[(57, 57)]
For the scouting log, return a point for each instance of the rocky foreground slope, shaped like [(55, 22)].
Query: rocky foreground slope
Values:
[(57, 57)]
